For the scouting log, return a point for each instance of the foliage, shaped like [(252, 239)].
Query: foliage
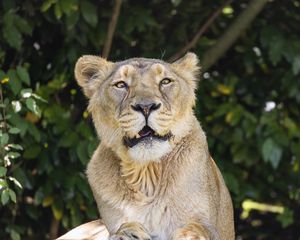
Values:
[(248, 104)]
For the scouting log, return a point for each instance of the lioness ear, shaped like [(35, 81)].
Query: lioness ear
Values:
[(90, 70), (189, 67)]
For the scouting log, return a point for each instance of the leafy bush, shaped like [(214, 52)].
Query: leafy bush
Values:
[(248, 103)]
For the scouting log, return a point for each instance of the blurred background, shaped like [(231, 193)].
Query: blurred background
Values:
[(248, 103)]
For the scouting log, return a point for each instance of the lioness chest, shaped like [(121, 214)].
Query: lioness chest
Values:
[(162, 213), (156, 217), (160, 217)]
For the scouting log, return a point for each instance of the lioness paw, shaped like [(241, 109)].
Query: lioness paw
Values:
[(131, 231), (188, 235), (191, 231)]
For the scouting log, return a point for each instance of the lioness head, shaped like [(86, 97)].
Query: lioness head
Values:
[(140, 106)]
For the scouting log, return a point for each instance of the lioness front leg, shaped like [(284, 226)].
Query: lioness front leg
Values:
[(131, 231), (194, 231)]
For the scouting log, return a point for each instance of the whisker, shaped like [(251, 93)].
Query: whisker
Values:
[(166, 114), (129, 120), (163, 126), (163, 119), (125, 128), (125, 114)]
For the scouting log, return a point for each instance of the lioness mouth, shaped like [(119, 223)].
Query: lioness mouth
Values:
[(145, 134)]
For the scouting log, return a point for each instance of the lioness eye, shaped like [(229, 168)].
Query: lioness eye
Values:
[(165, 81), (121, 84)]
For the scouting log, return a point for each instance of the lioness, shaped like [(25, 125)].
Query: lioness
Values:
[(152, 175)]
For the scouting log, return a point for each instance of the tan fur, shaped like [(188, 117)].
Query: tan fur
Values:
[(156, 189)]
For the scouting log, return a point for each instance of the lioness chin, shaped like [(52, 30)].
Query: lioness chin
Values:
[(152, 175)]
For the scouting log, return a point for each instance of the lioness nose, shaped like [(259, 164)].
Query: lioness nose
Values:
[(146, 109)]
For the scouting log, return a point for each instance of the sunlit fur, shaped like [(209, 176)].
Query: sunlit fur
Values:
[(170, 187)]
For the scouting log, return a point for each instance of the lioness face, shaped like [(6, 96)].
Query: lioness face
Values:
[(139, 106)]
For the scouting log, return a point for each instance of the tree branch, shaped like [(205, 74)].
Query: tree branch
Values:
[(3, 109), (200, 32), (212, 55), (54, 228), (111, 28)]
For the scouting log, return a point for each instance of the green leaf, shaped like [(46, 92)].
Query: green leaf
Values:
[(14, 130), (271, 152), (89, 13), (3, 171), (26, 93), (17, 106), (295, 147), (267, 148), (14, 235), (57, 209), (232, 182), (5, 196), (32, 152), (15, 146), (20, 123), (2, 74), (22, 25), (291, 126), (296, 65), (75, 216), (38, 98), (15, 181), (289, 51), (33, 107), (176, 2), (233, 117), (11, 34), (3, 184), (92, 147), (23, 179), (14, 81), (7, 161), (4, 138), (48, 201), (81, 151), (275, 156), (286, 218), (72, 20), (69, 6), (275, 51), (57, 11), (13, 155), (272, 38), (34, 131), (23, 75), (12, 195), (47, 4), (68, 139)]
